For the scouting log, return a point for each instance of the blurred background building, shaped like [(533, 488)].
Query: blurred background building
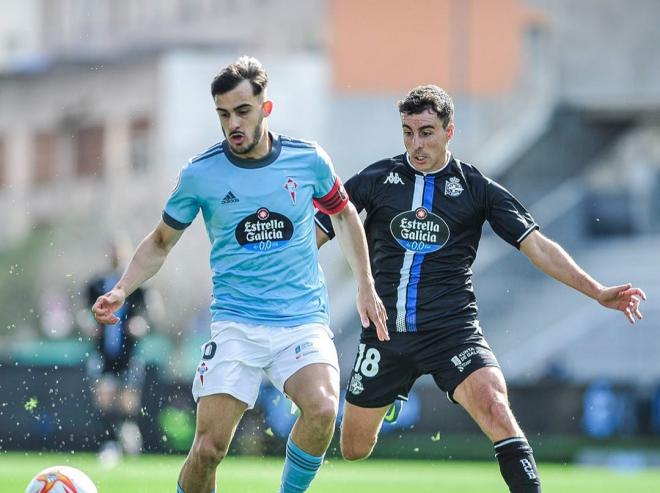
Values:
[(102, 102)]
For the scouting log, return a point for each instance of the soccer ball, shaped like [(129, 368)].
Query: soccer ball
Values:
[(61, 479)]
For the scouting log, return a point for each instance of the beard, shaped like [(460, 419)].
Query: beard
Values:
[(249, 145)]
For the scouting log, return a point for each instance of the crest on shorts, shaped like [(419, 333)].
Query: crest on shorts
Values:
[(453, 187), (201, 369), (356, 387)]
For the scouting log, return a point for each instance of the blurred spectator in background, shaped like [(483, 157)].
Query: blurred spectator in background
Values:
[(115, 369), (55, 313)]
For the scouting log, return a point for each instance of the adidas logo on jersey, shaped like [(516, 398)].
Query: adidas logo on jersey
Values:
[(393, 178), (230, 198)]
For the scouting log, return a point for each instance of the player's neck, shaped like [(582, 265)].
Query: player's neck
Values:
[(431, 171), (264, 146), (261, 150)]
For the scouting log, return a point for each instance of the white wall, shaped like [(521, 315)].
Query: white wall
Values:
[(19, 30)]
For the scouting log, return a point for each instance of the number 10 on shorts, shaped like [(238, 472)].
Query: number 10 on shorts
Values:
[(367, 362)]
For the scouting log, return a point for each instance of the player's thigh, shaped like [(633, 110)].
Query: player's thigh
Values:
[(453, 361), (361, 425), (305, 365), (383, 371), (480, 388), (231, 363), (484, 396), (218, 416), (315, 385)]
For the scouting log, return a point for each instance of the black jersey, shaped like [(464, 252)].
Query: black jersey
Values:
[(114, 341), (423, 231)]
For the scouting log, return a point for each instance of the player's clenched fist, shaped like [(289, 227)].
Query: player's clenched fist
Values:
[(107, 304)]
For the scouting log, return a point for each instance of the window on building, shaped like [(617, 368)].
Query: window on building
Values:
[(44, 166), (140, 144), (88, 147)]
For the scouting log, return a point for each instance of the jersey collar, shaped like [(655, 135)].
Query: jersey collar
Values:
[(249, 163), (445, 169)]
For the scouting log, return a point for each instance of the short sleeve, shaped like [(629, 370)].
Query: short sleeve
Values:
[(507, 216), (183, 205), (329, 193)]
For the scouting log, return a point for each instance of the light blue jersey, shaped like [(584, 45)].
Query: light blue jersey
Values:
[(259, 216)]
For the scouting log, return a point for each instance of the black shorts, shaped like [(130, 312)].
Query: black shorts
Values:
[(386, 371), (128, 373)]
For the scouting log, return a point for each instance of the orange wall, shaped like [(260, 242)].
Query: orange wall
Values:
[(389, 46)]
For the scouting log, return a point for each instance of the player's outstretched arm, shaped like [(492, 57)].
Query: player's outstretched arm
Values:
[(349, 230), (147, 260), (552, 259)]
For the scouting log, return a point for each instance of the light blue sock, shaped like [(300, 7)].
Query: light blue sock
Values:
[(300, 469)]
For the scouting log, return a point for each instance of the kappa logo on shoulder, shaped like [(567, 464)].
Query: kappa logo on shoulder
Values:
[(393, 179)]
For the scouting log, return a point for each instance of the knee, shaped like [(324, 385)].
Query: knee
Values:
[(499, 411), (352, 450), (207, 451), (322, 413)]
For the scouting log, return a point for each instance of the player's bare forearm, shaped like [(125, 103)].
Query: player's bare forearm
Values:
[(147, 260), (550, 258), (348, 229), (148, 257)]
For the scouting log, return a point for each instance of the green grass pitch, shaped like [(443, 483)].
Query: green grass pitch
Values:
[(157, 474)]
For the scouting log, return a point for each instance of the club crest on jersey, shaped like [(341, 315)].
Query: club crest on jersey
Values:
[(453, 187), (264, 231), (343, 195), (201, 370), (291, 186), (420, 230)]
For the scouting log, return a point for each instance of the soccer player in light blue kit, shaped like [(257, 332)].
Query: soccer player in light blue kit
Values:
[(257, 192)]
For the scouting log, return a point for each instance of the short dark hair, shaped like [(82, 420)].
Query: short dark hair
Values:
[(429, 97), (245, 68)]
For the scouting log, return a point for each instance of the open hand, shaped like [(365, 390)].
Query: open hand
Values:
[(371, 308), (624, 298)]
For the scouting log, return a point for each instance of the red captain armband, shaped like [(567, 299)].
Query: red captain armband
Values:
[(334, 201)]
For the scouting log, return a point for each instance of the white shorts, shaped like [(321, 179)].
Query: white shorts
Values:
[(237, 355)]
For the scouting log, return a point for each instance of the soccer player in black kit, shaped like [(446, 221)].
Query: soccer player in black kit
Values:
[(425, 210), (116, 371)]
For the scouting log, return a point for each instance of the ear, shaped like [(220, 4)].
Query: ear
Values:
[(267, 108), (450, 130)]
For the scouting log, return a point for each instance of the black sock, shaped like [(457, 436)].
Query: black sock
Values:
[(517, 465), (110, 421)]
